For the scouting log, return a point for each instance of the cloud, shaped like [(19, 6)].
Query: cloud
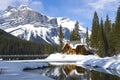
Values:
[(37, 3), (101, 4), (37, 6), (23, 1), (5, 3), (83, 12)]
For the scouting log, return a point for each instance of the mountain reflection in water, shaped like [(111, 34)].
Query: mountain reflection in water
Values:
[(73, 72)]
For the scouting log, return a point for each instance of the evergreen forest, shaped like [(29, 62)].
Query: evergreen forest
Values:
[(105, 36)]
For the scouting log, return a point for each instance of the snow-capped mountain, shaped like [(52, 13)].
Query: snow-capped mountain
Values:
[(28, 24)]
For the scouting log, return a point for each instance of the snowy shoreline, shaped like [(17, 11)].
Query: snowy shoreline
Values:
[(91, 60), (13, 70)]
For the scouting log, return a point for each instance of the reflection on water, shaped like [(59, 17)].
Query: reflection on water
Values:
[(72, 72), (103, 76), (113, 74)]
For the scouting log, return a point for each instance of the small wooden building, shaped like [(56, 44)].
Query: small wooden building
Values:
[(68, 49), (78, 49)]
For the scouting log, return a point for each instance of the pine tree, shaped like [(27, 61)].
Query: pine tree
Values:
[(60, 38), (87, 37), (117, 31), (72, 37), (108, 36), (75, 36), (94, 34), (100, 40), (107, 27), (112, 41)]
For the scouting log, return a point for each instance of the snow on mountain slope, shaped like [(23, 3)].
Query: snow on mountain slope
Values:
[(28, 31), (66, 22), (27, 24)]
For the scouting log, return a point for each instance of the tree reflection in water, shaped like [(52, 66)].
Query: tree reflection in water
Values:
[(103, 76)]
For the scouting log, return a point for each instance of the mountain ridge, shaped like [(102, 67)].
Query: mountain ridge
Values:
[(25, 23)]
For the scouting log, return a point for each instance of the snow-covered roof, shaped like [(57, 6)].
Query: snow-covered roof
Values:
[(74, 44)]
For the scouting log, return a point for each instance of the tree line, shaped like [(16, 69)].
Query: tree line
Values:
[(105, 36)]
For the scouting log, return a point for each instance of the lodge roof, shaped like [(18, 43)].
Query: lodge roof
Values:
[(74, 44)]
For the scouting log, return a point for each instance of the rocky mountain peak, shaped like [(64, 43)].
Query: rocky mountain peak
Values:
[(24, 7), (15, 16), (14, 8), (10, 8)]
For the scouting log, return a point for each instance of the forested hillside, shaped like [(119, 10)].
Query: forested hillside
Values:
[(10, 45)]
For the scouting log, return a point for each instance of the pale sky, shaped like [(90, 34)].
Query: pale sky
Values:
[(79, 10)]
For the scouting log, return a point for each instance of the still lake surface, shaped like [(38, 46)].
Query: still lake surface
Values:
[(72, 72)]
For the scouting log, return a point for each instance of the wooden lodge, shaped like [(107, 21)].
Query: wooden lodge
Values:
[(76, 48)]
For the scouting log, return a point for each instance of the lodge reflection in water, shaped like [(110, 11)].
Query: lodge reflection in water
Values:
[(73, 72)]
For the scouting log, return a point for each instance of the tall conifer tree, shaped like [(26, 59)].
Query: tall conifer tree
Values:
[(94, 34), (117, 31), (112, 41), (100, 40), (75, 36), (60, 37), (108, 36), (72, 37), (87, 37), (107, 27)]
